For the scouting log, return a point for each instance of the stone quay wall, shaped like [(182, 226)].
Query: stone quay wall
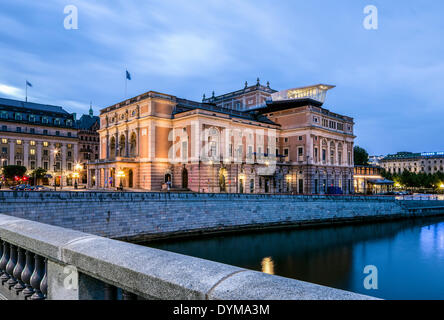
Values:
[(143, 216)]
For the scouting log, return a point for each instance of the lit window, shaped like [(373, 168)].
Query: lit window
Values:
[(4, 141), (32, 151), (45, 144), (19, 141), (32, 143)]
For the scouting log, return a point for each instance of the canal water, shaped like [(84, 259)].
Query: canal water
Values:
[(409, 255)]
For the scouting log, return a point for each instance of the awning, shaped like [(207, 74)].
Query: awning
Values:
[(381, 182)]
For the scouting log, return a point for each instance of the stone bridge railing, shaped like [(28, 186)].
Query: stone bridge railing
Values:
[(40, 261)]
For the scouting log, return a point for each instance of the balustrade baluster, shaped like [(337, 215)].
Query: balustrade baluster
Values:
[(110, 292), (11, 266), (17, 273), (128, 295), (1, 255), (37, 277), (4, 261), (27, 273), (44, 283)]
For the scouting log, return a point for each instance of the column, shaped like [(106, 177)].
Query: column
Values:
[(97, 182), (88, 178), (11, 152), (63, 168), (138, 142), (107, 146), (25, 153), (51, 156), (76, 155), (39, 154), (126, 143)]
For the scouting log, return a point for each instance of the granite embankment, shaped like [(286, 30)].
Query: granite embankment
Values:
[(142, 216)]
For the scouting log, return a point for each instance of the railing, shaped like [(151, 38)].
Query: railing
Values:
[(40, 261), (417, 197)]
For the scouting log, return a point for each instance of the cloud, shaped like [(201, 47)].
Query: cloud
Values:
[(11, 91)]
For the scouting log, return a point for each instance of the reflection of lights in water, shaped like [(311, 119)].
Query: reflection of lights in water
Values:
[(432, 240), (267, 265)]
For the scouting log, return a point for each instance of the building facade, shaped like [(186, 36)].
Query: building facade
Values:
[(88, 143), (38, 136), (368, 180), (427, 162), (254, 140)]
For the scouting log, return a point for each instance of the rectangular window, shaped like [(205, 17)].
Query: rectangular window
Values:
[(315, 154), (4, 128), (69, 166), (57, 133), (32, 152), (45, 131), (32, 165), (32, 130), (18, 129), (45, 152), (4, 141), (32, 143), (45, 144), (45, 165), (324, 155), (19, 142)]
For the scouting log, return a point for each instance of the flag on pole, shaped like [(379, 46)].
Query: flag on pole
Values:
[(28, 84), (128, 76)]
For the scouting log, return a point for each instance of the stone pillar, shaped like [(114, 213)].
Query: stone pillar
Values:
[(76, 153), (97, 182), (88, 178), (107, 146), (126, 143), (63, 168), (25, 153), (39, 154), (11, 152), (51, 156)]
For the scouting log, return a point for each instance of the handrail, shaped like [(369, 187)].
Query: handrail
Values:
[(34, 257)]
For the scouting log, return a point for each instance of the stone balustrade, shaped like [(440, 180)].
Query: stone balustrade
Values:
[(40, 261)]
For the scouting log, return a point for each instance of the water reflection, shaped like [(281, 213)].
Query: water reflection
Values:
[(409, 255), (267, 265)]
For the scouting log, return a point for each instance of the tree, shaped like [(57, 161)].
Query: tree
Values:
[(360, 156), (38, 174), (10, 172)]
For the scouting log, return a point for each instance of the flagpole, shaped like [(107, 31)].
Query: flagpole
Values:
[(26, 89)]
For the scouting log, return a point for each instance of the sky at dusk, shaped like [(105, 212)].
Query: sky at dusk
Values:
[(390, 80)]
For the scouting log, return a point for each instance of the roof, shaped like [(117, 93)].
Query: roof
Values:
[(381, 181), (32, 106), (86, 122), (187, 105), (410, 155)]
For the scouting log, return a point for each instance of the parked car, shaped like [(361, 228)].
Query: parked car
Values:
[(41, 188)]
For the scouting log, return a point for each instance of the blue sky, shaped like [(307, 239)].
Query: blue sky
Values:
[(390, 80)]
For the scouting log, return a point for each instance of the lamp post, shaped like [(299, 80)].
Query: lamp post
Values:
[(55, 152), (76, 174)]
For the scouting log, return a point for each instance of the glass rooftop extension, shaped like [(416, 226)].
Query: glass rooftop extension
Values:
[(316, 92)]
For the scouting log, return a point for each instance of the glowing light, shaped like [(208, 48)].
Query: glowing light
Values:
[(441, 186), (267, 265)]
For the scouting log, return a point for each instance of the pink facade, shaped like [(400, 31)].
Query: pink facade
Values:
[(241, 142)]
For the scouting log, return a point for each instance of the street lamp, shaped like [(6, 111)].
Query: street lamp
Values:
[(120, 174), (76, 174), (55, 152)]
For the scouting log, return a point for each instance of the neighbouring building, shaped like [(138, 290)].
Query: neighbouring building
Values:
[(88, 125), (368, 180), (36, 135), (426, 162), (375, 160), (254, 140)]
